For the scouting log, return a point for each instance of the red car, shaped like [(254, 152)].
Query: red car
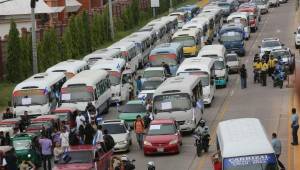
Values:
[(163, 137), (84, 157)]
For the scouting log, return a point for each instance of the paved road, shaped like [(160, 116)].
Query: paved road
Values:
[(270, 105)]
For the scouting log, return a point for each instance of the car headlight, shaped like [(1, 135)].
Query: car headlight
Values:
[(29, 156), (173, 142), (147, 143), (124, 142), (189, 122)]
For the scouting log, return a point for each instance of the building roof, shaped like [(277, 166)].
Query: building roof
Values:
[(22, 7), (72, 5)]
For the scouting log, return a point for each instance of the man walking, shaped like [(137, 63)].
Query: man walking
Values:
[(264, 71), (295, 126), (138, 126), (98, 140), (46, 145), (276, 143), (243, 75)]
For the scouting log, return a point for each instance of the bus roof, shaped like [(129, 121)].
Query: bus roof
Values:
[(68, 66), (206, 15), (242, 137), (136, 37), (166, 48), (113, 64), (87, 77), (199, 21), (178, 84), (217, 49), (40, 81), (186, 32), (243, 15), (122, 45), (194, 24), (102, 53), (196, 64)]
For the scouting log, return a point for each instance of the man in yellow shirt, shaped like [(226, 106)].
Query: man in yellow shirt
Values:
[(271, 64), (256, 70), (264, 70)]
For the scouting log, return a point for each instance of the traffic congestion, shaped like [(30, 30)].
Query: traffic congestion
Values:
[(154, 97)]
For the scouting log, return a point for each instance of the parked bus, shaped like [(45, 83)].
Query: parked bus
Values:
[(192, 10), (69, 67), (39, 94), (170, 53), (130, 52), (203, 25), (190, 39), (218, 18), (244, 144), (180, 98), (119, 87), (203, 68), (87, 86), (182, 17), (211, 25), (102, 54)]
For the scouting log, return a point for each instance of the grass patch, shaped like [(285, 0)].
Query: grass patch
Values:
[(6, 89)]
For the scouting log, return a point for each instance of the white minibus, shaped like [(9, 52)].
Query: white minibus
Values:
[(69, 67), (180, 98), (244, 145), (39, 94), (87, 86), (115, 68), (102, 54), (203, 68)]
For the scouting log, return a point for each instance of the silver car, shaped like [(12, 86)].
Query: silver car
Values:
[(120, 131), (233, 62)]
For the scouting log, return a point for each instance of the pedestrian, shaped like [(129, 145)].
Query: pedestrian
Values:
[(257, 65), (166, 67), (24, 121), (98, 140), (138, 85), (90, 108), (139, 129), (216, 161), (264, 71), (8, 114), (11, 160), (56, 136), (46, 145), (80, 120), (7, 140), (2, 138), (108, 140), (271, 64), (243, 76), (295, 126), (276, 143), (81, 134), (89, 134), (64, 136), (57, 152)]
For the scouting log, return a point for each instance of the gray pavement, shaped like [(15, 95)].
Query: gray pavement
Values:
[(269, 104)]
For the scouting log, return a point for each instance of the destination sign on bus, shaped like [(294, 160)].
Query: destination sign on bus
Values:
[(249, 160)]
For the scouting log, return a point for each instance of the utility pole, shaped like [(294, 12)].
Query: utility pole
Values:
[(111, 19), (171, 6), (33, 36)]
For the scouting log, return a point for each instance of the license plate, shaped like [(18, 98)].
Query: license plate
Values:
[(160, 149)]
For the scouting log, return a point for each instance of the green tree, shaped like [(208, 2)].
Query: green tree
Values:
[(73, 29), (87, 32), (14, 63), (66, 45), (136, 14), (26, 56), (96, 31), (80, 35)]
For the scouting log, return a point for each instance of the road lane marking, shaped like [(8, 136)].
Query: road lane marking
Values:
[(232, 92)]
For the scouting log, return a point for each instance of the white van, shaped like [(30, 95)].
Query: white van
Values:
[(180, 98), (39, 94), (87, 86), (219, 53), (102, 54), (69, 67), (130, 52), (204, 68), (115, 68), (244, 144)]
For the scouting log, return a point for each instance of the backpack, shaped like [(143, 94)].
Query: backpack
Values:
[(109, 142)]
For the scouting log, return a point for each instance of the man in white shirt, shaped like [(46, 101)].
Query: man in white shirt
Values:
[(98, 138), (64, 136), (80, 120)]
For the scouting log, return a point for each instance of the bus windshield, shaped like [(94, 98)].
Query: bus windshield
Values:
[(76, 94), (30, 97), (252, 162), (186, 41), (231, 36), (157, 59), (203, 76), (172, 102), (114, 77)]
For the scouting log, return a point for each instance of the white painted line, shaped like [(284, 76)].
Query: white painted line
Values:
[(232, 92)]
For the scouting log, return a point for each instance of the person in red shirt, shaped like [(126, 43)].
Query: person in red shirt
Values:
[(216, 161)]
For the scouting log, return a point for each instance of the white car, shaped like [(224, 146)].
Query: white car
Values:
[(233, 62), (297, 38), (263, 5), (154, 72), (274, 3), (120, 131), (269, 44)]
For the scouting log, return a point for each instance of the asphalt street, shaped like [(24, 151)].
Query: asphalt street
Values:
[(270, 105)]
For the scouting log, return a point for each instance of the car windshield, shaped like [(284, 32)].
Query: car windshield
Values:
[(158, 59), (153, 73), (151, 85), (232, 58), (162, 129), (78, 157), (186, 41), (30, 97), (114, 77), (281, 54), (231, 36), (172, 102), (114, 128), (267, 44), (203, 76), (219, 65), (76, 94), (133, 108), (224, 5), (21, 144), (254, 162)]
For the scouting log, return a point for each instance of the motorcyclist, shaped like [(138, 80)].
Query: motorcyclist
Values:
[(127, 164), (257, 65), (203, 130), (150, 165)]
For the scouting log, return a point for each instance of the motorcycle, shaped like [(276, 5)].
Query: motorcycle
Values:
[(201, 143), (278, 79), (150, 165)]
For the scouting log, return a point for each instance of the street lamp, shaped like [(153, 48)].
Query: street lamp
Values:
[(33, 36), (111, 22)]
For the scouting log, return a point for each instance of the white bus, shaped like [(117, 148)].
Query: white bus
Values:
[(69, 67), (39, 94), (102, 54), (204, 68), (130, 52), (87, 86), (180, 98), (244, 145), (115, 68)]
